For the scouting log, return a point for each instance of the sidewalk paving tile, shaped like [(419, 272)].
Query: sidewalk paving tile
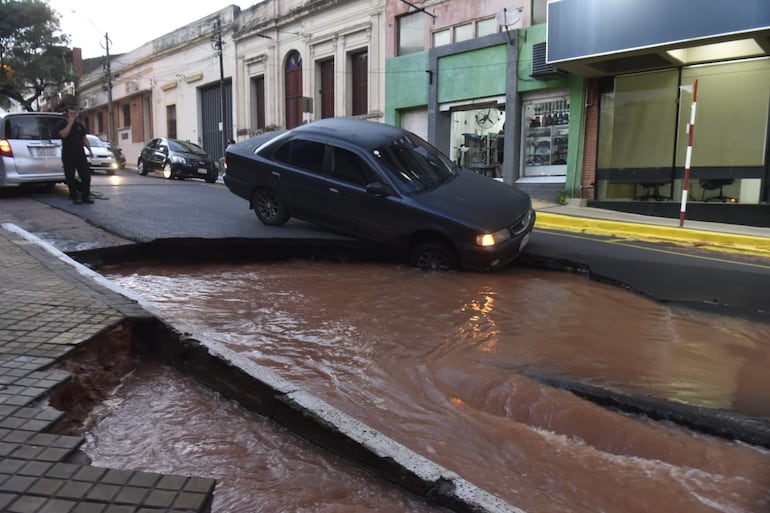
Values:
[(48, 309)]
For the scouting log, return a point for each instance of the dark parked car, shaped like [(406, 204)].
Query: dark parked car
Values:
[(177, 160), (384, 184)]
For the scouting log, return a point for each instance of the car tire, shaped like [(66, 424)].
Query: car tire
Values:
[(140, 167), (269, 207), (168, 172), (211, 178), (110, 172), (434, 256)]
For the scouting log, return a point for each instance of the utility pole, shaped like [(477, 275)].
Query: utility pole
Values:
[(218, 44), (108, 86)]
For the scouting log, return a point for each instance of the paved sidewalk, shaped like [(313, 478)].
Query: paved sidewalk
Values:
[(47, 309)]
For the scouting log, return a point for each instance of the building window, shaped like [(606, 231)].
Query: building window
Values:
[(171, 121), (326, 69), (411, 33), (360, 66), (486, 27), (258, 102), (442, 37), (126, 110), (463, 32)]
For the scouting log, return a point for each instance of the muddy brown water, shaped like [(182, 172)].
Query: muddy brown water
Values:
[(438, 361)]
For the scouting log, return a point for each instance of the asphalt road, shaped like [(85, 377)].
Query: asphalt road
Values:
[(167, 213)]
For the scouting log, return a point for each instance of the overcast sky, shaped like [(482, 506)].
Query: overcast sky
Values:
[(129, 23)]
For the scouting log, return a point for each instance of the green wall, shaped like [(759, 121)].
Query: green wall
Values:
[(406, 84), (474, 74)]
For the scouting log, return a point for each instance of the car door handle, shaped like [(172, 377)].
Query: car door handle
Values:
[(333, 190), (276, 174)]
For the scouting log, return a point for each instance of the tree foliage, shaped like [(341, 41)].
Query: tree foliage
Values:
[(34, 55)]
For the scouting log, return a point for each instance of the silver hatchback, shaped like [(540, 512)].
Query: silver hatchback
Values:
[(30, 148)]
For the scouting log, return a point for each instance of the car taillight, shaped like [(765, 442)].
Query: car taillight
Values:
[(5, 148)]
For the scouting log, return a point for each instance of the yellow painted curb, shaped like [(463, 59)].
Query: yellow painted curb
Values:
[(712, 240)]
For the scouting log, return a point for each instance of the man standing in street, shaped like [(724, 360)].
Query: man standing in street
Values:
[(73, 156)]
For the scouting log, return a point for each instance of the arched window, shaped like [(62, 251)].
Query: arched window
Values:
[(293, 89)]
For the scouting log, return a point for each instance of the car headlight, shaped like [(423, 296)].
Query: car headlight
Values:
[(176, 159), (491, 239)]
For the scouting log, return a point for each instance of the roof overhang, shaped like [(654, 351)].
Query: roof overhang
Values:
[(597, 37)]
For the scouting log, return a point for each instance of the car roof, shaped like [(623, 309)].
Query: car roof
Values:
[(11, 114), (367, 134)]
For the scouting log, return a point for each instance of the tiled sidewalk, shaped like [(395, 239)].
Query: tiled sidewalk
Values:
[(47, 308)]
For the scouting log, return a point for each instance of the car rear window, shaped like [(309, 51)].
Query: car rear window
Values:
[(32, 127)]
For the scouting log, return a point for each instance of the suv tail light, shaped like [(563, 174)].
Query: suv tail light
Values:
[(5, 148)]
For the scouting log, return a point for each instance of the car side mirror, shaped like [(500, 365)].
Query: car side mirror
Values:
[(377, 188)]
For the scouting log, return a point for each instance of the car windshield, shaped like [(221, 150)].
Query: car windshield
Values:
[(185, 147), (415, 165), (95, 141)]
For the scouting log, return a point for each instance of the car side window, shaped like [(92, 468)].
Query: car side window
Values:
[(348, 166), (308, 155)]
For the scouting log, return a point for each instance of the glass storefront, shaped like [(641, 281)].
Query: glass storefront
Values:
[(546, 136), (643, 133)]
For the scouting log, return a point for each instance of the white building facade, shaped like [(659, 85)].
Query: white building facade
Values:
[(303, 60), (282, 63)]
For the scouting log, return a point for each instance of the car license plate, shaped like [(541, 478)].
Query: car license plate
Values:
[(203, 171), (45, 152), (523, 242)]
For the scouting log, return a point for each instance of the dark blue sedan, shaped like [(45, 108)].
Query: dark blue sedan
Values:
[(383, 184)]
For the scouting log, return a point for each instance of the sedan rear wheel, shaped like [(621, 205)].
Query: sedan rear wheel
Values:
[(168, 171), (269, 207), (433, 256)]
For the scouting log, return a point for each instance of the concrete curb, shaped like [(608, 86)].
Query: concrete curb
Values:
[(730, 242)]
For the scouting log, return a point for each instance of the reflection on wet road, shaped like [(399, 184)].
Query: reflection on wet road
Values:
[(438, 362)]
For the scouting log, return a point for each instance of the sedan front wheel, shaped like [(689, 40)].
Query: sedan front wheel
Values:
[(269, 207), (141, 168), (433, 256), (168, 171)]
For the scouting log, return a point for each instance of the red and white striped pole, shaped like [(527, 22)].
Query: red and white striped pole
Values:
[(688, 156)]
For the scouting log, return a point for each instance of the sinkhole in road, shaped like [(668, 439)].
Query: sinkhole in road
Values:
[(447, 364)]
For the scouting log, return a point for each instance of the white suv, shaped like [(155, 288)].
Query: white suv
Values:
[(30, 148)]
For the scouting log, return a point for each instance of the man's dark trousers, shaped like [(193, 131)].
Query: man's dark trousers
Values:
[(80, 187)]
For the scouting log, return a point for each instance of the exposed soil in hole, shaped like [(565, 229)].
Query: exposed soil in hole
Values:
[(97, 368)]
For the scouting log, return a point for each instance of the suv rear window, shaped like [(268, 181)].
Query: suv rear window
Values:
[(32, 127)]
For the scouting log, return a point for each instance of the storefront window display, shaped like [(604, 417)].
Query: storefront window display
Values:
[(546, 136)]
